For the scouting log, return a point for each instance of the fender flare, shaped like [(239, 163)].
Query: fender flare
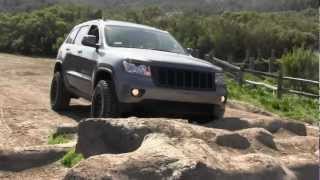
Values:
[(57, 66), (101, 70)]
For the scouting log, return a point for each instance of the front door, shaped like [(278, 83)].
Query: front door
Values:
[(84, 60)]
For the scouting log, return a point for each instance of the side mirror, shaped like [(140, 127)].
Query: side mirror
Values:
[(90, 40)]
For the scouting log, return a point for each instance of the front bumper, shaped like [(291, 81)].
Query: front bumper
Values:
[(127, 82)]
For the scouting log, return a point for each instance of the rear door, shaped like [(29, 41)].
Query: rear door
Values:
[(77, 79), (67, 52)]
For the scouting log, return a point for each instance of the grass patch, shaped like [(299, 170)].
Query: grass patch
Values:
[(71, 158), (290, 106), (60, 138)]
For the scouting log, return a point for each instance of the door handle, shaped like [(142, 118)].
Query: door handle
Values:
[(79, 51), (68, 49)]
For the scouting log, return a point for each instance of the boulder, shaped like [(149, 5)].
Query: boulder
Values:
[(142, 148)]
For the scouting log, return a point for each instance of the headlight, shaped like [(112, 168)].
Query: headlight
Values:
[(219, 78), (135, 68)]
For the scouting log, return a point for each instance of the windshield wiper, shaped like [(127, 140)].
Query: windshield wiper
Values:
[(164, 50)]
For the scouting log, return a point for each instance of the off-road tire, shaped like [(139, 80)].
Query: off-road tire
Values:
[(104, 101), (218, 112), (59, 96)]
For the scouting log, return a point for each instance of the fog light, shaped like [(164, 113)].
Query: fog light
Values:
[(135, 92), (222, 99)]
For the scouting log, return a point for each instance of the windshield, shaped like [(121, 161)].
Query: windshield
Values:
[(140, 38)]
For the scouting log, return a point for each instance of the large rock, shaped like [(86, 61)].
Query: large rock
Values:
[(168, 149)]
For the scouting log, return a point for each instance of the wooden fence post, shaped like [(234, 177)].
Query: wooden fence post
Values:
[(230, 58), (246, 60), (271, 60), (251, 63), (196, 53), (208, 57), (212, 54), (240, 76), (259, 54), (285, 51), (280, 82)]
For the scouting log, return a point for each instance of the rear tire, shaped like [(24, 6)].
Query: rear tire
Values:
[(104, 101), (59, 96)]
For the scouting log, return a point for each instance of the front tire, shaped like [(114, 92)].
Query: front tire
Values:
[(218, 112), (104, 101), (59, 96)]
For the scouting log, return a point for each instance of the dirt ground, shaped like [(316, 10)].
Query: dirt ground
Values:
[(25, 115), (27, 120)]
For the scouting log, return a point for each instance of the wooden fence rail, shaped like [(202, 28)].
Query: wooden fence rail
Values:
[(238, 75), (301, 80), (260, 73)]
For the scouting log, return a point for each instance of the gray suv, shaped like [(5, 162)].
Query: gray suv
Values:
[(125, 68)]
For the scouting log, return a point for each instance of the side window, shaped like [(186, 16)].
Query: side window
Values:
[(82, 32), (72, 36), (94, 30)]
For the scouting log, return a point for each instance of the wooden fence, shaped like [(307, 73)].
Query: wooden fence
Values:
[(238, 70)]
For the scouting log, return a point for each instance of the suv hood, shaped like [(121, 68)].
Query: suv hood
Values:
[(162, 57)]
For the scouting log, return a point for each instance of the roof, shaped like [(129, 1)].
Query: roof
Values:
[(120, 23), (129, 24)]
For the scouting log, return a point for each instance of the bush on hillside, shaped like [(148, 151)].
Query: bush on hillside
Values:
[(40, 32)]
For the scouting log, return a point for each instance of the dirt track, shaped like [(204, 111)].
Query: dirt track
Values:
[(27, 120), (25, 116)]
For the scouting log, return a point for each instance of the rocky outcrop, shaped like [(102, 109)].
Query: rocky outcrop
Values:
[(173, 149)]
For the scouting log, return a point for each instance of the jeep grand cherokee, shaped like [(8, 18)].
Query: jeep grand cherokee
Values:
[(123, 67)]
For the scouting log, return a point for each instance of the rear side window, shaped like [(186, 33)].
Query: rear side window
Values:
[(82, 32), (72, 36)]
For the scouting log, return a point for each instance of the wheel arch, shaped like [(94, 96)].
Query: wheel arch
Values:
[(102, 74), (57, 67)]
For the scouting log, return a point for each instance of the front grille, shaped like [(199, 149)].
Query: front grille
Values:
[(183, 79)]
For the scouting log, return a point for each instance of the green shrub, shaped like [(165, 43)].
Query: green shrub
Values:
[(60, 138), (71, 158), (301, 62), (40, 32)]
